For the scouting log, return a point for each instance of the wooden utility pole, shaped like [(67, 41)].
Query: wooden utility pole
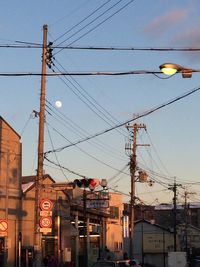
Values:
[(133, 165), (40, 171)]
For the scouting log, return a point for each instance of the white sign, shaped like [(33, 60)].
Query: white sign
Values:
[(45, 213), (67, 254), (45, 222), (45, 230), (46, 204), (97, 203)]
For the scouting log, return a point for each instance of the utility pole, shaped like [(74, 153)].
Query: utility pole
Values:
[(174, 189), (133, 168), (186, 224), (85, 249), (40, 171), (186, 193)]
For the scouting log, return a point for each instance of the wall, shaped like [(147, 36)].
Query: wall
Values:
[(114, 228), (10, 188)]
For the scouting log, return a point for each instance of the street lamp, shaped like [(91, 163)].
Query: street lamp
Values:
[(171, 69)]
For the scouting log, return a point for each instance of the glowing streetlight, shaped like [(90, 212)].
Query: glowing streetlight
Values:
[(171, 69)]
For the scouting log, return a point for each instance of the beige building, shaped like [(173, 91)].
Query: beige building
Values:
[(114, 225), (61, 227), (66, 240), (54, 221), (10, 193)]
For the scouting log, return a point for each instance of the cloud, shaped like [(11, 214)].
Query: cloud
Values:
[(190, 36), (162, 24)]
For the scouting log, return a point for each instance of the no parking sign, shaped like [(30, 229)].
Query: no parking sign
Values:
[(3, 225)]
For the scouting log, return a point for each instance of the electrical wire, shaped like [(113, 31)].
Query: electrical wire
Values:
[(83, 151), (77, 24), (71, 13), (65, 168), (99, 24), (55, 153), (76, 129), (26, 124), (94, 73), (104, 48), (144, 114), (93, 101), (90, 102), (118, 173), (156, 152)]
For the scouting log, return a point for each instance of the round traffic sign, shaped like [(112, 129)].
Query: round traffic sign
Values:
[(46, 204), (45, 222), (3, 225)]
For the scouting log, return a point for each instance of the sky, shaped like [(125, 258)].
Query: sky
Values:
[(95, 104)]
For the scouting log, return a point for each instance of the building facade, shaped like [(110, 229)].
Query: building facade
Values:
[(152, 243), (54, 221), (10, 194), (114, 225)]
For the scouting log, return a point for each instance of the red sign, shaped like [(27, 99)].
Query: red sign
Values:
[(45, 222), (46, 204), (3, 225)]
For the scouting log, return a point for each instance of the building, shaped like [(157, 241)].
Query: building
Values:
[(114, 225), (10, 193), (152, 243), (55, 221), (89, 213), (189, 237)]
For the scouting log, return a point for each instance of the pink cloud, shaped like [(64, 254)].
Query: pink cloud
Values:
[(162, 23)]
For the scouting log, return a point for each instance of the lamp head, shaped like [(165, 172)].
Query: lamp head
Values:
[(169, 68), (172, 68)]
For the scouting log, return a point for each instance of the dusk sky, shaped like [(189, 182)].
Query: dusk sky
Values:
[(95, 104)]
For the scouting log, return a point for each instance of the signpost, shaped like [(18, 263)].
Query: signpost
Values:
[(46, 206)]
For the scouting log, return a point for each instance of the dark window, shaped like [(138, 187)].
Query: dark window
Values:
[(114, 212)]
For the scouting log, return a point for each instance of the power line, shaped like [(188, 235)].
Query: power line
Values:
[(77, 24), (55, 153), (92, 73), (91, 103), (144, 114), (100, 23), (75, 128), (70, 13), (105, 48), (83, 151), (110, 48)]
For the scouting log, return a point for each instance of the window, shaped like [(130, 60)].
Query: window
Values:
[(114, 212)]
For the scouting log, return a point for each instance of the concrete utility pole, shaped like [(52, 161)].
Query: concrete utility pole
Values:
[(174, 189), (133, 165), (186, 194), (40, 171)]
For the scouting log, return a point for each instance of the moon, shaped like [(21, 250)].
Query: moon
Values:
[(58, 104)]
